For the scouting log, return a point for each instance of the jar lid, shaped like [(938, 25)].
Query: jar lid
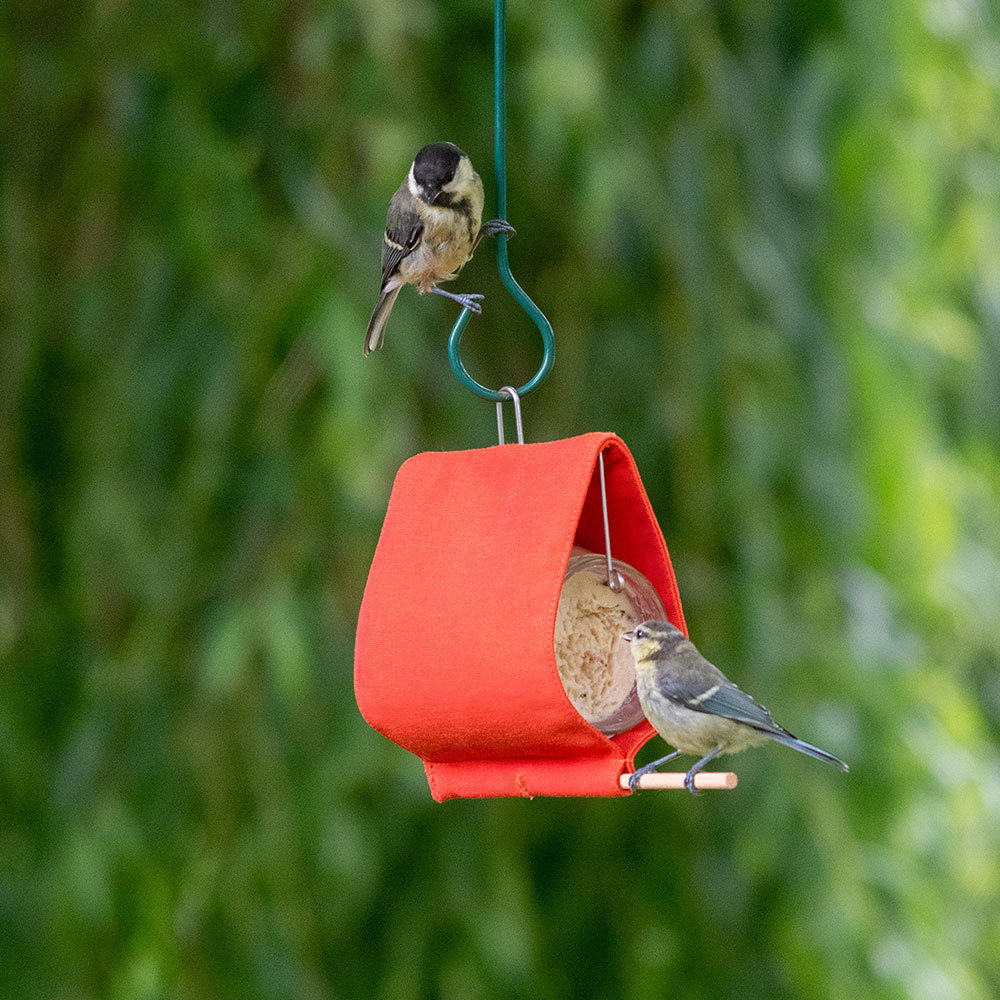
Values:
[(594, 661)]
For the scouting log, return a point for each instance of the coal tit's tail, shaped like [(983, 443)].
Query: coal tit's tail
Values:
[(376, 325)]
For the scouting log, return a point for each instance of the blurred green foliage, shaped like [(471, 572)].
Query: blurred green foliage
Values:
[(767, 236)]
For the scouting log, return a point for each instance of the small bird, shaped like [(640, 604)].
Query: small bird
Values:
[(431, 230), (695, 707)]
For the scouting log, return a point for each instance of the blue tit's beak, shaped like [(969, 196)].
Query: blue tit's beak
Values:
[(627, 636)]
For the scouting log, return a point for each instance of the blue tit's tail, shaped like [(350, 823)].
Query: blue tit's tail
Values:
[(803, 747), (376, 325)]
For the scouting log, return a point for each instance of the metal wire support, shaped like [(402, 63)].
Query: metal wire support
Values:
[(513, 393), (503, 264), (614, 581)]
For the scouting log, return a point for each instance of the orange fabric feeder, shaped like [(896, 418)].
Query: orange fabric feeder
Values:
[(454, 658)]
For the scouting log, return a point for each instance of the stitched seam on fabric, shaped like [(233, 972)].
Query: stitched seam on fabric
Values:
[(431, 779), (521, 787)]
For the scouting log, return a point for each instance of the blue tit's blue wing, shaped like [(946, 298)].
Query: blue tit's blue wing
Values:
[(697, 684), (730, 702), (686, 678)]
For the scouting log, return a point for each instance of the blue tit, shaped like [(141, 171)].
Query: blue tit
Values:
[(432, 229), (695, 707)]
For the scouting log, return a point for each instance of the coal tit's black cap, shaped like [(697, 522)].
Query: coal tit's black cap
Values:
[(435, 165)]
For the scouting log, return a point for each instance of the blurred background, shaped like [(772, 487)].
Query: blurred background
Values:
[(768, 237)]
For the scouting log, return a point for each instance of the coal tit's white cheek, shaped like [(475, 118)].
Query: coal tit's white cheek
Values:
[(411, 183)]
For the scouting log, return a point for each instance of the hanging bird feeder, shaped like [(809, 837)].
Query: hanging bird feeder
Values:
[(489, 637)]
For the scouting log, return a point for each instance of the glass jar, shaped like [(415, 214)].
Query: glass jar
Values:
[(594, 661)]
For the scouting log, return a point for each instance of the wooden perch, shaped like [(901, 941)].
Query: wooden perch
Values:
[(673, 780)]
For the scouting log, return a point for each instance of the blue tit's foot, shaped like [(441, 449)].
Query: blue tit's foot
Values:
[(467, 300), (689, 781), (649, 768), (633, 779), (689, 777), (497, 226)]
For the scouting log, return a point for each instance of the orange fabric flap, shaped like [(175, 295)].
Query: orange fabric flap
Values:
[(454, 653)]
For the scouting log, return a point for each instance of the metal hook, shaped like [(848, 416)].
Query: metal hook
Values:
[(503, 265), (615, 580), (515, 397), (462, 373)]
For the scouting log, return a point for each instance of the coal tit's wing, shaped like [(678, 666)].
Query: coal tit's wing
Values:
[(403, 230)]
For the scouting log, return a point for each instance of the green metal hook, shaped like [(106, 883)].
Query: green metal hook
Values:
[(503, 264)]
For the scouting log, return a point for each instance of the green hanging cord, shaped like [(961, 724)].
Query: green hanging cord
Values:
[(503, 264)]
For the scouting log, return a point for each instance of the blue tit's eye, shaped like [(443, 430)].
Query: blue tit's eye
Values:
[(640, 633)]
